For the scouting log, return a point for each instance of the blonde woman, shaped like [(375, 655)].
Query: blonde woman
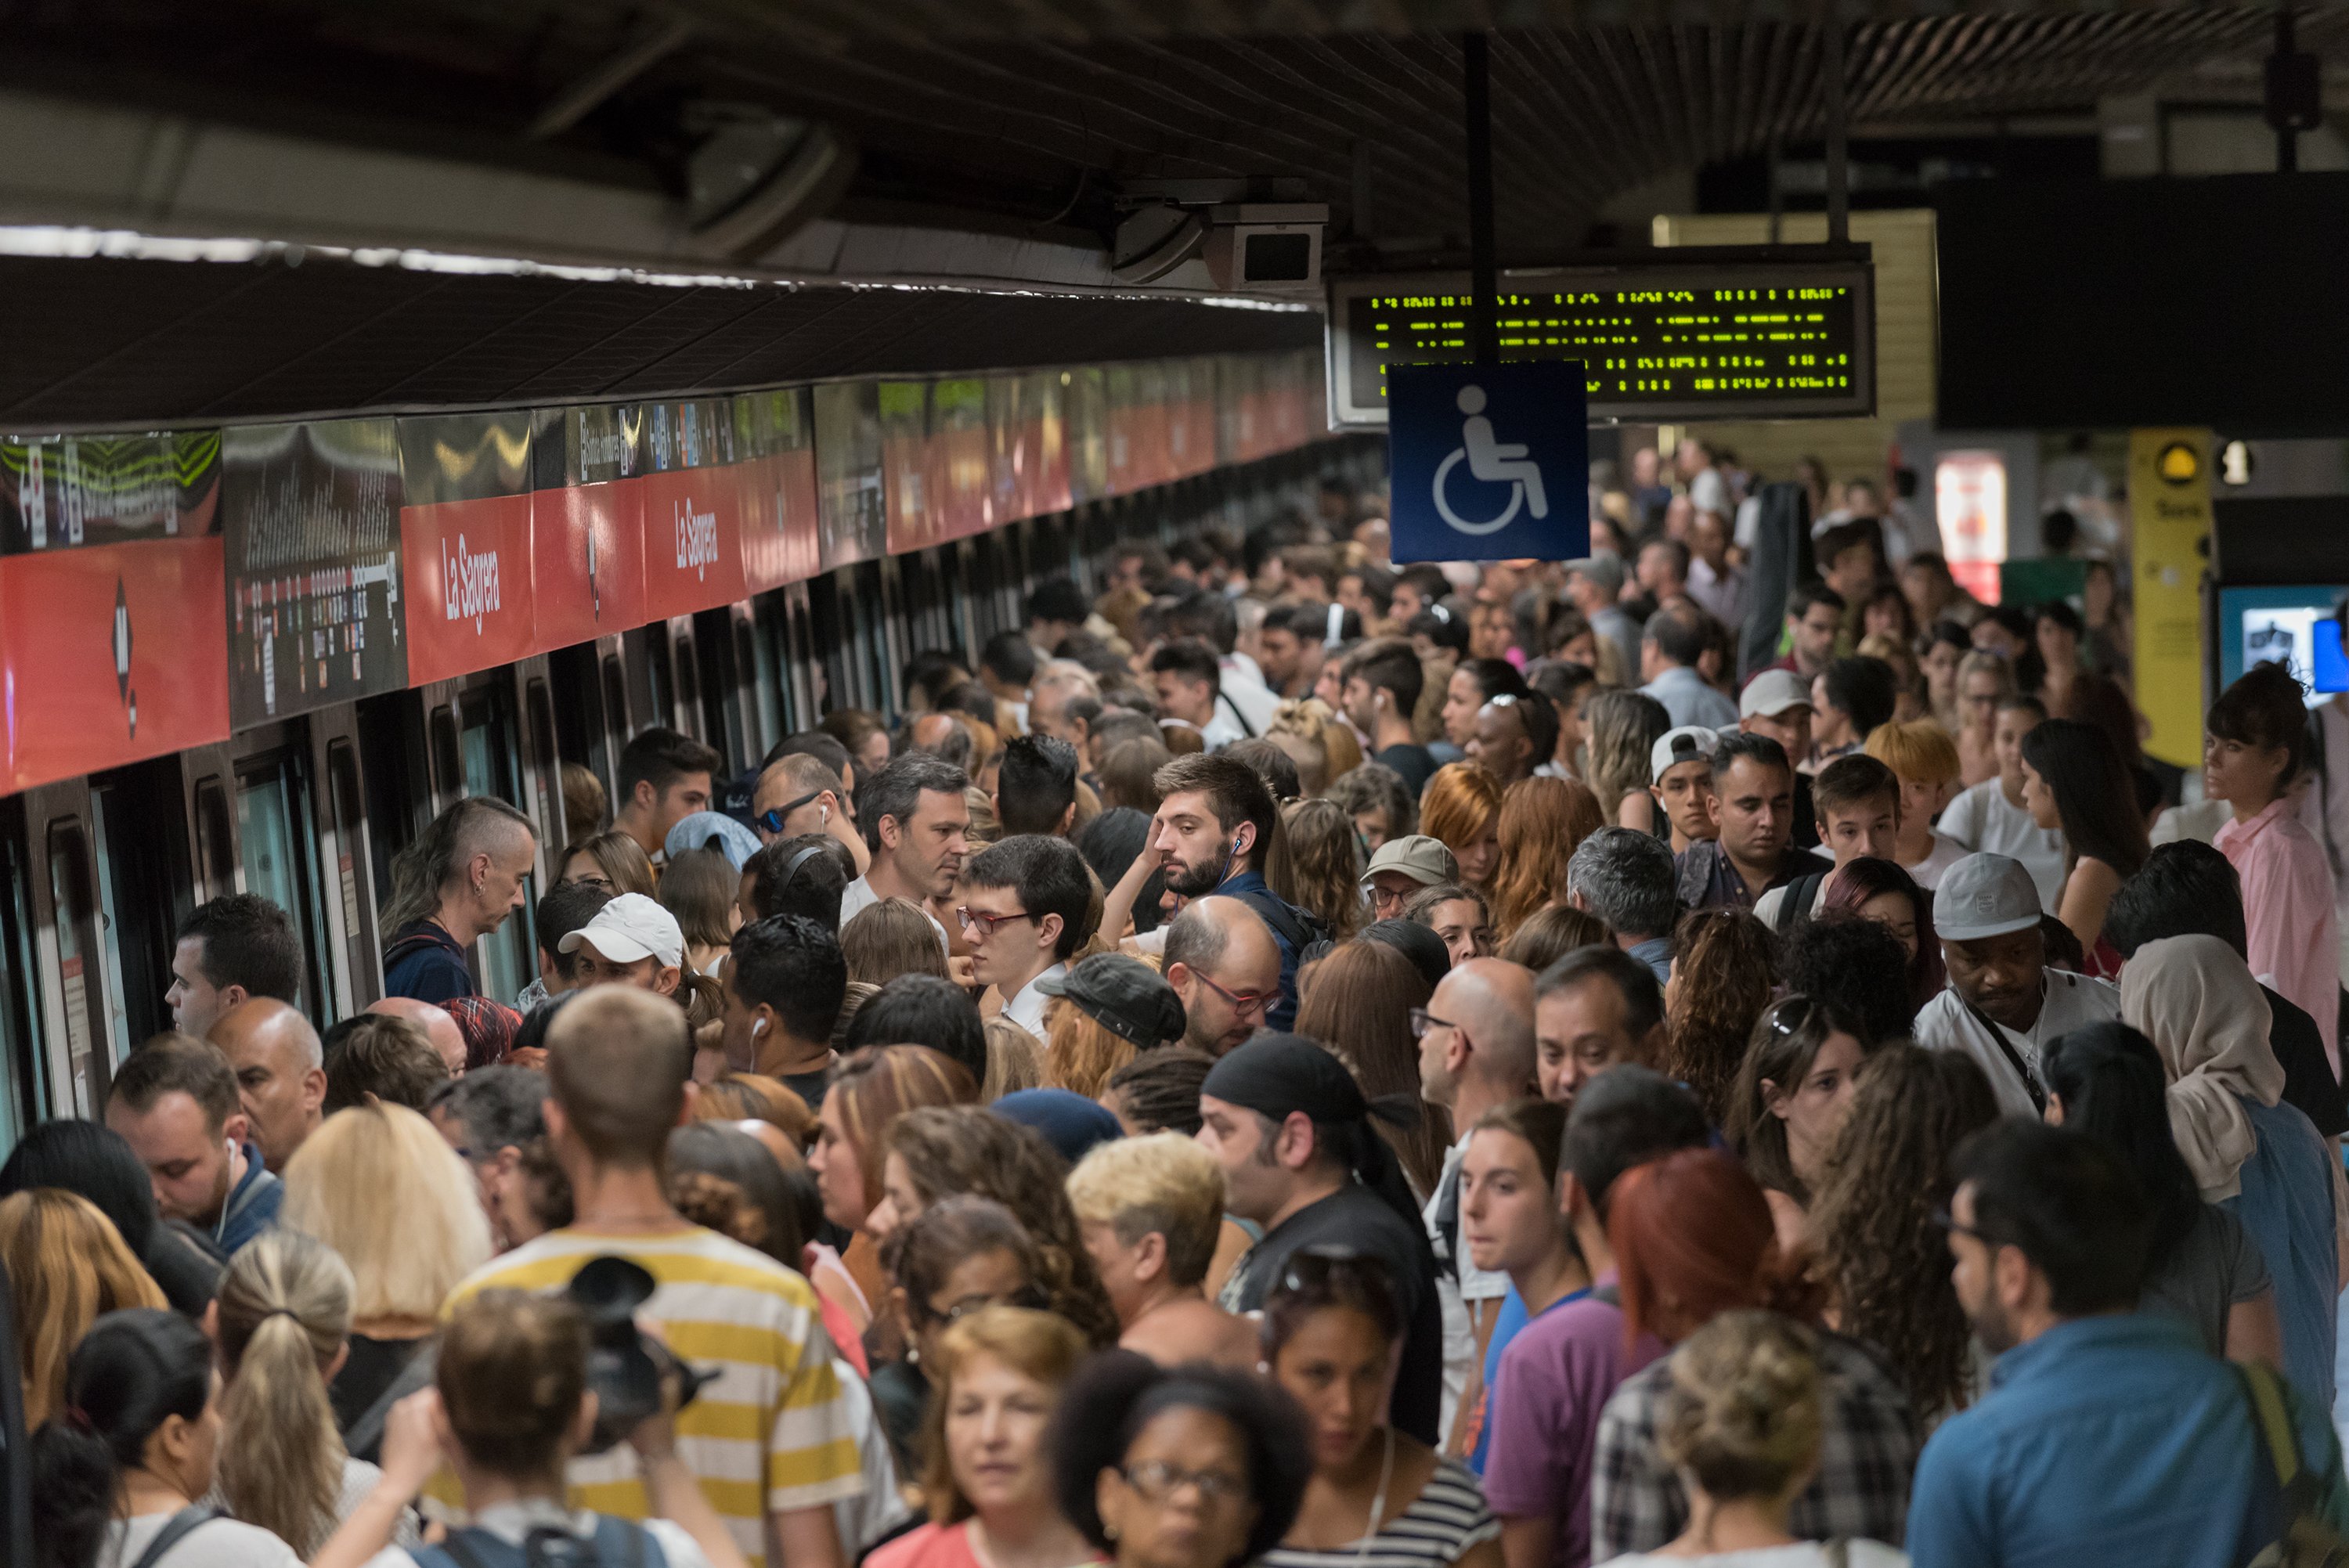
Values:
[(381, 1188), (281, 1323), (67, 1267), (1623, 728)]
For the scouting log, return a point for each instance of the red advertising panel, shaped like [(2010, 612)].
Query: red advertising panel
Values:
[(110, 653), (958, 456), (1044, 404), (850, 489), (1084, 412), (774, 450), (1011, 454), (588, 557), (907, 473), (692, 509), (470, 593)]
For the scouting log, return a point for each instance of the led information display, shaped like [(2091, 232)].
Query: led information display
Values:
[(1721, 340)]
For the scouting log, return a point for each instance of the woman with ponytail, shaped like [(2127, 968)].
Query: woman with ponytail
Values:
[(283, 1322), (119, 1468), (1693, 1239)]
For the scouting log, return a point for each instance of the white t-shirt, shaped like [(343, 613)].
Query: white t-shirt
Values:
[(513, 1521), (859, 896), (1945, 852), (222, 1544), (1809, 1554), (1946, 1023), (1982, 819), (1453, 1294), (1247, 696)]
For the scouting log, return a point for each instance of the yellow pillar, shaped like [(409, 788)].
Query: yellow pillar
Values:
[(2169, 509)]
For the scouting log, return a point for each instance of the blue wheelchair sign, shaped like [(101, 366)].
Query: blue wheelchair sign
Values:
[(1488, 462)]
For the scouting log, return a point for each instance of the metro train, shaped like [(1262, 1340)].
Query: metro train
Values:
[(261, 658)]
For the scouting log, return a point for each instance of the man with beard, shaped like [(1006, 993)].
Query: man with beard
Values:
[(1214, 827), (2105, 1428)]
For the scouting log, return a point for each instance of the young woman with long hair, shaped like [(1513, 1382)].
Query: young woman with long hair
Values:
[(1725, 970), (1462, 807), (699, 887), (67, 1268), (870, 1089), (1360, 1006), (1793, 1093), (1880, 1247), (610, 860), (1549, 934), (1542, 821), (1316, 864), (1881, 891), (889, 937), (282, 1320), (2073, 779), (1331, 1328), (1623, 728)]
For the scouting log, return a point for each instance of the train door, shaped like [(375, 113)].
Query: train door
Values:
[(761, 693), (68, 948), (279, 852), (346, 858), (25, 1079), (471, 737), (542, 763), (139, 861)]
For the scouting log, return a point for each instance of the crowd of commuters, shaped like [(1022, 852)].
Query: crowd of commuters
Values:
[(1294, 1059)]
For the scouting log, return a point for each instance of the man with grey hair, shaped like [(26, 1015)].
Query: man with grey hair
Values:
[(1224, 963), (918, 826), (1626, 879)]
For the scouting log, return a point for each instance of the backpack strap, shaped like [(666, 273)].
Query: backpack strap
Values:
[(176, 1529), (1796, 907)]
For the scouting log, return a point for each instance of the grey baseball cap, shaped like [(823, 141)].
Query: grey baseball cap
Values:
[(1772, 693), (1424, 860), (1604, 569), (1984, 895)]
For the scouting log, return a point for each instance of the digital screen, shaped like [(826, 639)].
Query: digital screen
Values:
[(1721, 341), (2292, 626)]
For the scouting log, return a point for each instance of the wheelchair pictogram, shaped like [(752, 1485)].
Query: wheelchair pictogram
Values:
[(1494, 462)]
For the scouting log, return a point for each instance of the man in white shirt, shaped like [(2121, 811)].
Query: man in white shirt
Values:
[(1025, 904), (918, 826), (2003, 1004), (1476, 1052), (1991, 815)]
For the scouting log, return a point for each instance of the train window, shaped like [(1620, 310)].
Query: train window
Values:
[(215, 844), (77, 934), (272, 820), (615, 705), (448, 766), (348, 802), (111, 930), (507, 955), (21, 1102)]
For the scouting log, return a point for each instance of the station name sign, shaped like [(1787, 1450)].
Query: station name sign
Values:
[(1692, 338)]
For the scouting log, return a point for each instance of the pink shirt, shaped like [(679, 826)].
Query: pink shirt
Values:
[(2288, 909)]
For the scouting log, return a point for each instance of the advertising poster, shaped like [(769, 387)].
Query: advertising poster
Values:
[(310, 516), (465, 543)]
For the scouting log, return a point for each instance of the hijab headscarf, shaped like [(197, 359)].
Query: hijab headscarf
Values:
[(2195, 998)]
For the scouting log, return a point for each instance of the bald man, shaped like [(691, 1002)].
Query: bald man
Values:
[(1224, 963), (439, 1027), (281, 1073), (1477, 1053)]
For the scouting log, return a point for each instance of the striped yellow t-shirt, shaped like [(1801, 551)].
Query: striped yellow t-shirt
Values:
[(771, 1432)]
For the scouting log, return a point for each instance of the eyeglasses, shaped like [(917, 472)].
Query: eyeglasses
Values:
[(1422, 1020), (1158, 1480), (1243, 1002), (773, 821), (979, 923)]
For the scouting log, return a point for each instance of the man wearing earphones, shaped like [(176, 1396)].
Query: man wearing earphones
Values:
[(1382, 682), (1214, 821), (800, 795), (784, 993)]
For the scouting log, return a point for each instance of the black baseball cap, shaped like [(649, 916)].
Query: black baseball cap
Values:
[(1124, 996)]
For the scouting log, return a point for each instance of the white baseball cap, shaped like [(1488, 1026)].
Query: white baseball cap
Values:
[(1984, 895), (1772, 693), (631, 927), (1689, 743)]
